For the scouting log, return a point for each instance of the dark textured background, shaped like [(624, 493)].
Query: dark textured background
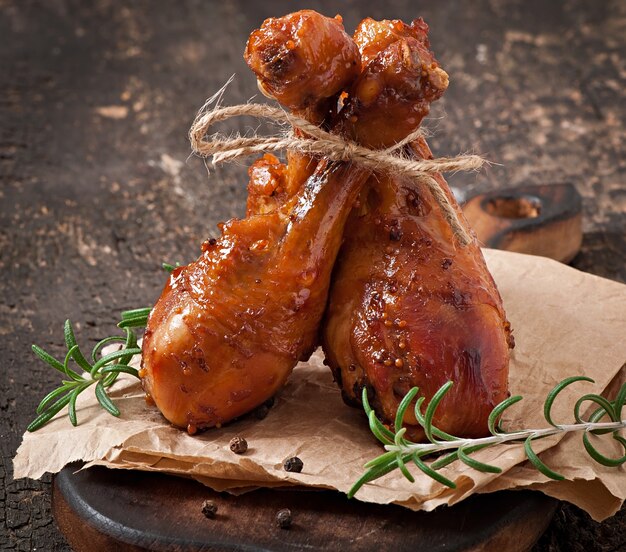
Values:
[(97, 189)]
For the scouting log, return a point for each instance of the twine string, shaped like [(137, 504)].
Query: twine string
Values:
[(317, 141)]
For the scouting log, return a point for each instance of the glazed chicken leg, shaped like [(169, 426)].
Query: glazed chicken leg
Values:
[(409, 306), (387, 100), (304, 61), (229, 328)]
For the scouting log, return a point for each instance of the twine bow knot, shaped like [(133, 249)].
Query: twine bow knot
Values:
[(317, 141)]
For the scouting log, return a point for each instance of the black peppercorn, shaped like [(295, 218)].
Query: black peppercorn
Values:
[(293, 464), (209, 509), (238, 445), (283, 518)]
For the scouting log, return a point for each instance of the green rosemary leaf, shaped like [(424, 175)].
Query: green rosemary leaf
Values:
[(170, 268), (120, 368), (135, 322), (402, 408), (380, 470), (105, 401), (97, 348), (399, 439), (135, 318), (431, 408), (405, 471), (48, 358), (600, 458), (66, 369), (596, 416), (107, 359), (51, 396), (379, 430), (620, 400), (496, 413), (545, 470), (434, 429), (600, 401), (462, 448), (49, 413), (445, 460), (72, 405), (389, 466), (104, 371), (378, 424), (376, 473), (365, 401), (547, 407), (379, 460), (134, 313), (418, 410), (109, 379), (365, 478), (131, 343), (475, 464), (432, 473), (71, 343)]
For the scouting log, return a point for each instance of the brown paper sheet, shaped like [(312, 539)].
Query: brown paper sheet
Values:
[(566, 323)]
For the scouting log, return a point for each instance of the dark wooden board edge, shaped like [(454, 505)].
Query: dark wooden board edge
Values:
[(102, 509)]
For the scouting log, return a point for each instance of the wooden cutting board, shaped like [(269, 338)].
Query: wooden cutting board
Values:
[(103, 509)]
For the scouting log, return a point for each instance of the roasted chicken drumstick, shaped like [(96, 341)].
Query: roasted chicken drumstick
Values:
[(409, 306), (228, 328), (303, 60)]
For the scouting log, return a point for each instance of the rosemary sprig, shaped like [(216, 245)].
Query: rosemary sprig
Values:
[(400, 451), (101, 371)]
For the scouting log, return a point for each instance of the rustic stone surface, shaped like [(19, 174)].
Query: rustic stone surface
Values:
[(97, 188)]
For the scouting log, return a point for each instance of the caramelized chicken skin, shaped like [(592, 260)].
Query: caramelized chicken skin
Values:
[(301, 60), (399, 81), (229, 328), (404, 80), (267, 187), (411, 307)]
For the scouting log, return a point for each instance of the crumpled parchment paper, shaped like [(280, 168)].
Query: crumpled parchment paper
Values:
[(565, 323)]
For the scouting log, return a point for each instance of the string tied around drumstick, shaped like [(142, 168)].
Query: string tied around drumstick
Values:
[(317, 141)]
